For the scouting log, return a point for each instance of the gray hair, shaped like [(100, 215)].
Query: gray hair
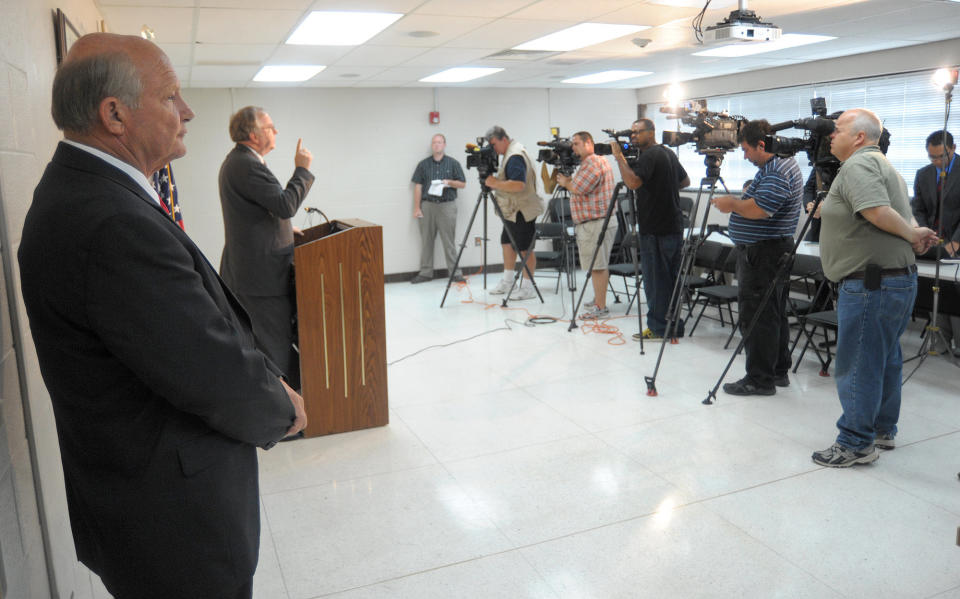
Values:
[(80, 85), (868, 122), (496, 131), (244, 122)]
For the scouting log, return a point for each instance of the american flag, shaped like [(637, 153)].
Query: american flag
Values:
[(166, 187)]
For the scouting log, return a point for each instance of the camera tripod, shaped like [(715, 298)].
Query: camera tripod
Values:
[(482, 199), (782, 276), (559, 208), (631, 240), (934, 334), (688, 254)]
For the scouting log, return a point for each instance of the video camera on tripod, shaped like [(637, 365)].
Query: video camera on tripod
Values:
[(559, 153), (482, 157), (714, 133), (631, 151), (816, 141)]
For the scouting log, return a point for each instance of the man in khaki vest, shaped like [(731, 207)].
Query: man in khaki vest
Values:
[(515, 190)]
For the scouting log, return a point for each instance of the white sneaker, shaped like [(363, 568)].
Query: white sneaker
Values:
[(502, 287), (524, 293)]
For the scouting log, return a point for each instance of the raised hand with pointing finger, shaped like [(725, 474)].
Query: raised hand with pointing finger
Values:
[(303, 158)]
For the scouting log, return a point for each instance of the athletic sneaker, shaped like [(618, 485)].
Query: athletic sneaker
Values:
[(885, 441), (648, 335), (595, 313), (590, 303), (838, 456), (524, 293), (502, 287)]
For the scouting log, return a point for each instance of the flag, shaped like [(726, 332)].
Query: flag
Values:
[(166, 188)]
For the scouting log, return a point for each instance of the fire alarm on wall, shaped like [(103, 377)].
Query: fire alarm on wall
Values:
[(435, 118)]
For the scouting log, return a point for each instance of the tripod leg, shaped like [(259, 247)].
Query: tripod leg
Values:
[(687, 256), (463, 244)]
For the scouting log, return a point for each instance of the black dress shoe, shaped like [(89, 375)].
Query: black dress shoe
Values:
[(747, 387), (459, 279), (782, 381)]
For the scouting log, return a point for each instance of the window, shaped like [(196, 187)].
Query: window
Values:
[(909, 105)]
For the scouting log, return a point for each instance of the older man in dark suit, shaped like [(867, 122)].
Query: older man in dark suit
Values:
[(258, 251), (159, 393)]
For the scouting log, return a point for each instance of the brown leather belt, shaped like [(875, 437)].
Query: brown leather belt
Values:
[(886, 272)]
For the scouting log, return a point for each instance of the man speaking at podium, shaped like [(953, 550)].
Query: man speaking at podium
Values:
[(257, 261)]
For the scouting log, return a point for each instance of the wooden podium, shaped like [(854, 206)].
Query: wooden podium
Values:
[(341, 323)]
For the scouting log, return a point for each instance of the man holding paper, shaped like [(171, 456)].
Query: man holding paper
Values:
[(436, 181)]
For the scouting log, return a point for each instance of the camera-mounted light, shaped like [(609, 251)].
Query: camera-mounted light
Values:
[(945, 79)]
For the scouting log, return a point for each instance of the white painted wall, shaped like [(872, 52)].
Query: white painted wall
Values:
[(366, 143)]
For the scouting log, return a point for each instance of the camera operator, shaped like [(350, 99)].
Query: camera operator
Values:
[(591, 189), (659, 177), (515, 190), (867, 245), (762, 223)]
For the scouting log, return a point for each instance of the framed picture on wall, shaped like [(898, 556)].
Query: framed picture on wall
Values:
[(64, 33)]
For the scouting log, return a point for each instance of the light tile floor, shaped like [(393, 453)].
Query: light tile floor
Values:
[(530, 462)]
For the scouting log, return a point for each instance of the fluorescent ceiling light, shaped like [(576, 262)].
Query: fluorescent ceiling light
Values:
[(606, 77), (291, 72), (788, 40), (340, 28), (460, 74), (580, 36)]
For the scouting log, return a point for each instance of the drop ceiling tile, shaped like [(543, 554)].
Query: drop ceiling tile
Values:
[(383, 56), (300, 5), (447, 28), (232, 53), (401, 6), (225, 25), (380, 83), (171, 25), (507, 33), (449, 57), (342, 76), (575, 10), (151, 3), (403, 74), (653, 15), (224, 73), (486, 8), (179, 54), (326, 55)]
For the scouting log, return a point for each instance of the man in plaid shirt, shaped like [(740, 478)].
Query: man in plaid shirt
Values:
[(591, 189)]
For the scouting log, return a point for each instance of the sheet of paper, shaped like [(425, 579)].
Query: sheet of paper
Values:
[(436, 188)]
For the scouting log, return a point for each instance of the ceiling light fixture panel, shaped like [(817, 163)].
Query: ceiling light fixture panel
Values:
[(340, 28), (580, 36)]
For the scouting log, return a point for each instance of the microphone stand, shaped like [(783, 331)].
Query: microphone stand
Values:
[(934, 334)]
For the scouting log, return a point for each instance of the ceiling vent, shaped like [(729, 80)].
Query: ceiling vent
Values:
[(524, 55)]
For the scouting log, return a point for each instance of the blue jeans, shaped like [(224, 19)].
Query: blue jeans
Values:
[(869, 360), (660, 264)]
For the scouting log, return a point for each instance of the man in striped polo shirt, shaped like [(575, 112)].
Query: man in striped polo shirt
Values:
[(591, 189), (762, 224)]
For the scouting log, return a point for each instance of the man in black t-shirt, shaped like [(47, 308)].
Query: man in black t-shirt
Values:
[(658, 177)]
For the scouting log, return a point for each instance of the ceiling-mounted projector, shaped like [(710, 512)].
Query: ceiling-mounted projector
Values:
[(742, 25)]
